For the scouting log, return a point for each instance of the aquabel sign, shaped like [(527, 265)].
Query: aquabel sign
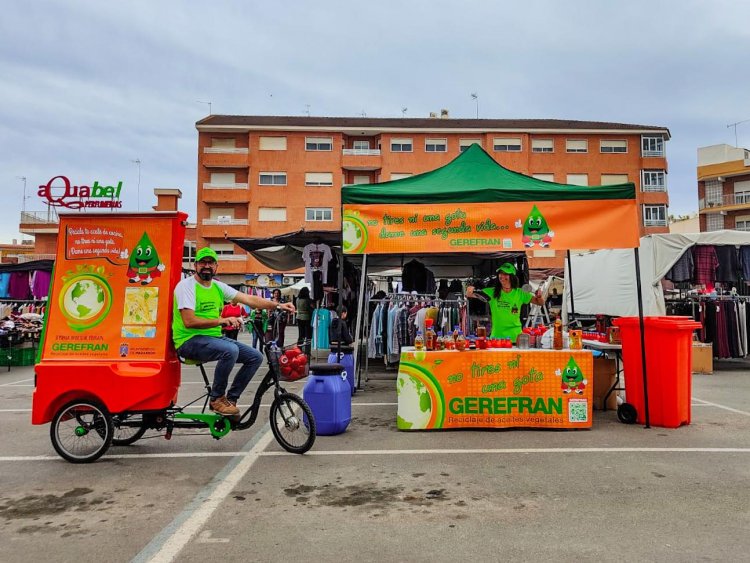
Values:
[(59, 192)]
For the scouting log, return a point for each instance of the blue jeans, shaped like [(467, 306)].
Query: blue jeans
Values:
[(226, 352)]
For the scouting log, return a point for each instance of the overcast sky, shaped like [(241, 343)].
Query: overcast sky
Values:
[(88, 87)]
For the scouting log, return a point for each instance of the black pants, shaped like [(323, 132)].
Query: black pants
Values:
[(305, 334), (232, 333)]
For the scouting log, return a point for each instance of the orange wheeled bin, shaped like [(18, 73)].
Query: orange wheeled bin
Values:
[(668, 369)]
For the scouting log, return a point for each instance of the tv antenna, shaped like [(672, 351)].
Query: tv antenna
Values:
[(208, 103), (363, 114), (735, 124), (403, 112), (475, 97), (307, 109)]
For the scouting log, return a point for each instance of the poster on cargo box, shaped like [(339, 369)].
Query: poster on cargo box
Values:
[(489, 227), (495, 389), (110, 296)]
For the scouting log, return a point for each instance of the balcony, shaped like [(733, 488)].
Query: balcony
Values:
[(215, 157), (652, 154), (23, 258), (226, 193), (654, 222), (33, 222), (361, 159), (729, 202), (232, 257), (223, 228), (654, 188)]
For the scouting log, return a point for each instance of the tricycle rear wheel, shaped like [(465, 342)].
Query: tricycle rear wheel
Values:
[(81, 431)]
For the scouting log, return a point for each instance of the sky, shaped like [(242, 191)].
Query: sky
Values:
[(88, 88)]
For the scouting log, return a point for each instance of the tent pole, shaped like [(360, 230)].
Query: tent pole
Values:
[(570, 285), (360, 306), (643, 334), (340, 306)]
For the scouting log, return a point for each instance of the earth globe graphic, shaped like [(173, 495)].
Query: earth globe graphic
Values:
[(351, 233), (414, 403), (84, 299)]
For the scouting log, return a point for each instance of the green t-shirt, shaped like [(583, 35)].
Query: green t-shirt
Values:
[(207, 302), (506, 312)]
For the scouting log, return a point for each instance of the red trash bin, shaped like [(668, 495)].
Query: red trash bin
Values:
[(669, 351)]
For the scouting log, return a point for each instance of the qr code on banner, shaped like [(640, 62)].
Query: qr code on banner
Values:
[(578, 410)]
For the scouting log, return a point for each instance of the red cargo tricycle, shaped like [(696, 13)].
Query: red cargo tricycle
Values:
[(108, 372)]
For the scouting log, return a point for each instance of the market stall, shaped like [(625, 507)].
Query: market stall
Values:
[(475, 205)]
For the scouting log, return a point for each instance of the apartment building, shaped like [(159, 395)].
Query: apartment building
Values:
[(724, 188), (265, 175)]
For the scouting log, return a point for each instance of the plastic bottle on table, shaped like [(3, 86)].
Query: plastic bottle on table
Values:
[(419, 341), (460, 341), (429, 336), (557, 335), (440, 341), (455, 333)]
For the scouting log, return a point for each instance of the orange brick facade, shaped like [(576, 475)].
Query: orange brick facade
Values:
[(235, 147)]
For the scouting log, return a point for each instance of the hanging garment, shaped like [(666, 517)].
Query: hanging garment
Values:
[(322, 320), (744, 253), (706, 263), (316, 257), (683, 269), (19, 287), (4, 282), (41, 284), (729, 263)]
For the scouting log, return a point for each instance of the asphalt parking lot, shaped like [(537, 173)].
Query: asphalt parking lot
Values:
[(612, 493)]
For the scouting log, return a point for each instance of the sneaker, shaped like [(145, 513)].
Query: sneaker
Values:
[(221, 405)]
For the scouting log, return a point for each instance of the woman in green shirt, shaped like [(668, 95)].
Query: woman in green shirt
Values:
[(506, 299)]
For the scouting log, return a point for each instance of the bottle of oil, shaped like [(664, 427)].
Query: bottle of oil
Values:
[(557, 335), (460, 341), (429, 337), (440, 341), (419, 341)]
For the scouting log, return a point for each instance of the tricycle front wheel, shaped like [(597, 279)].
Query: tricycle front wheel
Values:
[(292, 423), (81, 431)]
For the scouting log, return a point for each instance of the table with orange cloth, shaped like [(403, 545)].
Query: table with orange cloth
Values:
[(495, 388)]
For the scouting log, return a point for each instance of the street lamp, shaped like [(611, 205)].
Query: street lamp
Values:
[(23, 204), (137, 162)]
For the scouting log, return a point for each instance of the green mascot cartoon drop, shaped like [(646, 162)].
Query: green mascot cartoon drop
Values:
[(144, 263), (572, 378), (536, 230)]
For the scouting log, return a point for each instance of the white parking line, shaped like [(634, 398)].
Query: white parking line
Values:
[(12, 383), (453, 451), (263, 405), (169, 542), (730, 409)]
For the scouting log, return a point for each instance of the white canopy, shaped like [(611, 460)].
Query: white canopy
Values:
[(604, 281)]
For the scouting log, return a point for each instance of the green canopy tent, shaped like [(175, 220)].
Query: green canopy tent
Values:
[(475, 177), (411, 215)]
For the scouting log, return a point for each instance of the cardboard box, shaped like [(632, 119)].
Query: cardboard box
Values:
[(703, 358), (604, 378)]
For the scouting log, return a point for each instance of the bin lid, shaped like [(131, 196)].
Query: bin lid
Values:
[(326, 369), (661, 322), (344, 349)]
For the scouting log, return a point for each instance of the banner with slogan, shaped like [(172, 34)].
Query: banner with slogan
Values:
[(489, 227), (110, 297), (495, 389)]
